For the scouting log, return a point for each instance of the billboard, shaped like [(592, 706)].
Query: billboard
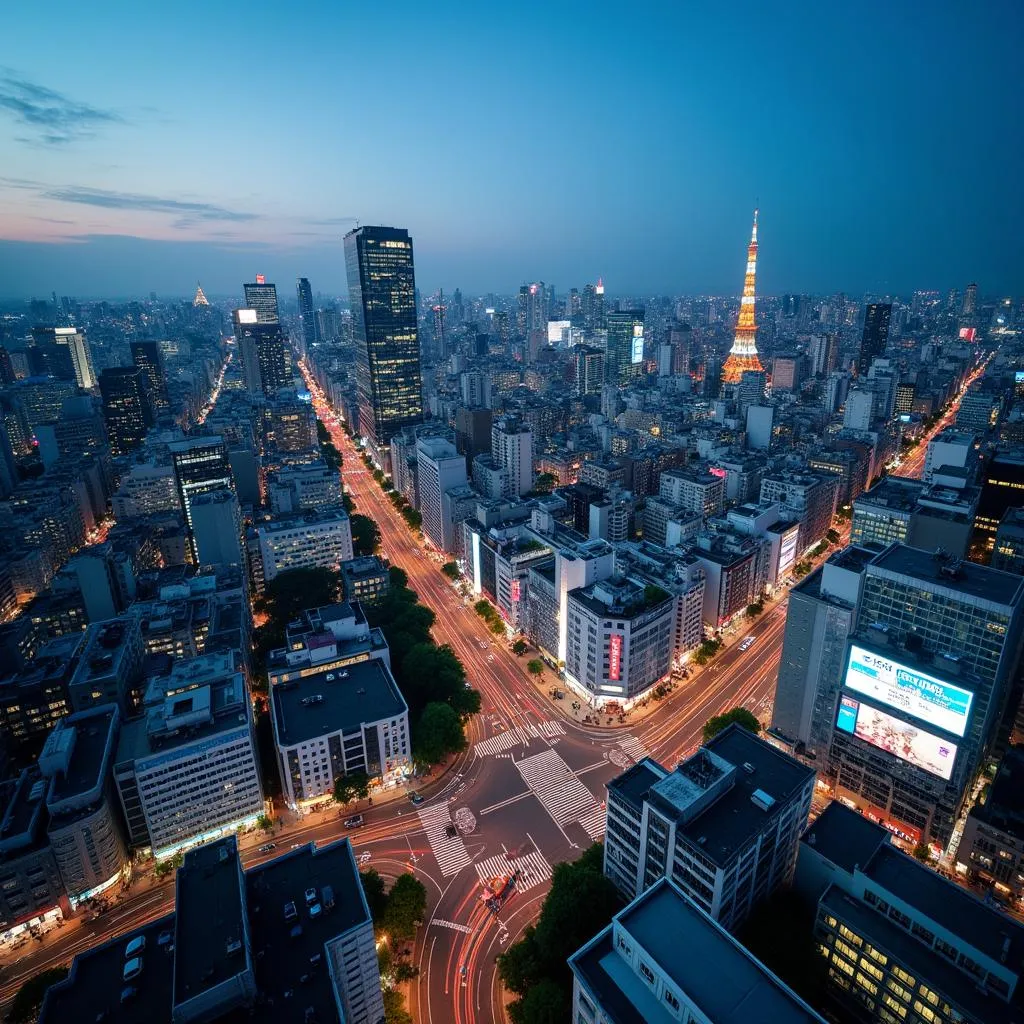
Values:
[(787, 549), (968, 333), (901, 739), (615, 656), (915, 693), (638, 343)]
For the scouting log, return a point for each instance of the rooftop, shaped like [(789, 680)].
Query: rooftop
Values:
[(80, 769), (339, 701), (724, 981), (844, 837), (104, 648), (896, 493), (1004, 806)]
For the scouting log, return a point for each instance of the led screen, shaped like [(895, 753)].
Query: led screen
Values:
[(941, 704), (638, 343)]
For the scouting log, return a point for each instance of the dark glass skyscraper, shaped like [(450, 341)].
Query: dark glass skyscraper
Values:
[(625, 355), (875, 336), (307, 315), (263, 298), (126, 408), (263, 348), (200, 465), (146, 355), (382, 292)]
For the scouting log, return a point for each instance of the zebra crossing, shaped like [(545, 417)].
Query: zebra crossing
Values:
[(594, 822), (633, 748), (556, 786), (518, 736), (533, 869), (450, 852)]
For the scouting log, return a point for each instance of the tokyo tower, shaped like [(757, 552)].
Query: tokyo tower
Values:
[(743, 354)]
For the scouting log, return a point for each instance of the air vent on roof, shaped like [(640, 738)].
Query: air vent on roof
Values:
[(702, 840), (748, 767), (222, 854), (759, 798), (233, 946)]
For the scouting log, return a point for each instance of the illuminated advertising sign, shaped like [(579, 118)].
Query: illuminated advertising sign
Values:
[(968, 333), (615, 657), (260, 279), (718, 471), (922, 696), (787, 549), (638, 343), (515, 590), (1018, 378), (247, 316), (901, 739)]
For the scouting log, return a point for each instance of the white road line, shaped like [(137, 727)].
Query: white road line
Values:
[(533, 869), (453, 925), (633, 747), (516, 736), (555, 785), (594, 822), (450, 852)]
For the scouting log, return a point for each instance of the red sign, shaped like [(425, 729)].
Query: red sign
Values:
[(614, 657), (515, 590), (968, 333), (260, 279), (718, 471)]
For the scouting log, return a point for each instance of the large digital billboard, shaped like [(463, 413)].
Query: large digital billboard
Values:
[(901, 739), (923, 696), (638, 343)]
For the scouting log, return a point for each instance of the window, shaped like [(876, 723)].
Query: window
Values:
[(671, 1000), (646, 972)]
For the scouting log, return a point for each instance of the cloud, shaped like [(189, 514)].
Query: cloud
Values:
[(187, 212), (52, 118), (329, 221)]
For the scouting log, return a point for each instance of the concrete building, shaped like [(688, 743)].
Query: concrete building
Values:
[(303, 541), (730, 565), (302, 486), (950, 447), (810, 498), (760, 422), (366, 580), (110, 666), (335, 723), (1008, 552), (217, 528), (512, 452), (439, 469), (882, 514), (145, 489), (84, 830), (188, 771), (723, 826), (632, 971), (693, 490)]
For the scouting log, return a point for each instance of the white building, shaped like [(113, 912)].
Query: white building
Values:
[(217, 528), (145, 489), (860, 411), (512, 452), (188, 771), (439, 468), (301, 542), (336, 723), (81, 355), (310, 485), (949, 448), (693, 490)]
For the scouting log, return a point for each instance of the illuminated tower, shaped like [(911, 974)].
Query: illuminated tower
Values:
[(200, 299), (743, 354)]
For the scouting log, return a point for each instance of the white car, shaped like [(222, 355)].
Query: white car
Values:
[(747, 643)]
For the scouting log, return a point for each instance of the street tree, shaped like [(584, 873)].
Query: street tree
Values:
[(438, 733), (354, 786), (535, 667), (376, 894), (29, 998), (713, 726), (406, 905), (520, 647), (365, 535)]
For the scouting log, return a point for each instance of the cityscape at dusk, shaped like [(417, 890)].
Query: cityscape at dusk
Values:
[(512, 515)]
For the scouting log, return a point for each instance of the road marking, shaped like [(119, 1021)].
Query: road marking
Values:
[(504, 803), (632, 747), (455, 926), (450, 852), (518, 735), (533, 869), (594, 822), (556, 786)]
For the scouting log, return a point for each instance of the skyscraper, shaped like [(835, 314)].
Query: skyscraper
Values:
[(126, 408), (262, 297), (307, 315), (625, 353), (970, 300), (743, 354), (875, 336), (146, 355), (200, 299), (382, 293), (263, 349), (200, 465), (64, 353)]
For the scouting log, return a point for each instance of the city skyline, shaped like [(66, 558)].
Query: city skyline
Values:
[(852, 144)]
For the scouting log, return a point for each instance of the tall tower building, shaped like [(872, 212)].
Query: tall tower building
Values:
[(200, 299), (126, 408), (263, 348), (217, 528), (262, 297), (307, 315), (743, 354), (625, 352), (382, 293), (64, 352), (970, 306), (875, 336), (146, 355), (200, 465)]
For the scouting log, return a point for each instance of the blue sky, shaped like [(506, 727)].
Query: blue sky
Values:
[(147, 146)]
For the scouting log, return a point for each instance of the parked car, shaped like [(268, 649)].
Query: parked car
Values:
[(354, 822), (416, 798)]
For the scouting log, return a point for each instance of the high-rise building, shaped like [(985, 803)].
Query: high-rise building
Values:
[(262, 297), (126, 409), (146, 355), (624, 355), (382, 292), (743, 354), (64, 353), (200, 299), (307, 314), (263, 347), (512, 453), (970, 305), (875, 336), (439, 467), (217, 528), (200, 464)]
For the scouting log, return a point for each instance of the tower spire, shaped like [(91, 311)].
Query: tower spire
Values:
[(743, 354), (200, 299)]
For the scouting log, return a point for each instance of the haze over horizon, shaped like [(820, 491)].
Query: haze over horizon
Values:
[(146, 153)]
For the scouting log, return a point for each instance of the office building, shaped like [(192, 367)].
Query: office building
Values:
[(263, 348), (366, 580), (732, 579), (302, 486), (1008, 551), (264, 939), (633, 971), (109, 669), (619, 640), (693, 490), (149, 358), (512, 454), (882, 514), (821, 616), (217, 528), (950, 448), (188, 770), (126, 409), (382, 292), (200, 464), (262, 299), (809, 498), (331, 724), (1002, 488), (875, 335), (897, 941), (307, 315), (980, 409), (84, 831), (64, 352), (302, 541), (723, 826), (145, 489), (589, 370), (439, 467), (624, 352)]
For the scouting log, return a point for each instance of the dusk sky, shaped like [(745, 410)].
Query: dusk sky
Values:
[(146, 146)]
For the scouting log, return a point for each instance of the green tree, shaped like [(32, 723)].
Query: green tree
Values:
[(289, 594), (430, 673), (29, 998), (394, 1008), (922, 853), (545, 482), (354, 786), (520, 647), (535, 667), (484, 609), (755, 609), (451, 570), (832, 536), (322, 433), (376, 894), (714, 725), (365, 535), (412, 517), (265, 823), (400, 579), (348, 504), (519, 966), (407, 903), (497, 626), (437, 734), (547, 1002)]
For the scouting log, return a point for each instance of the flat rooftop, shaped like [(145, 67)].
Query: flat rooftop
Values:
[(979, 581), (86, 764), (725, 981), (1004, 806), (634, 783), (896, 493), (844, 837), (359, 694)]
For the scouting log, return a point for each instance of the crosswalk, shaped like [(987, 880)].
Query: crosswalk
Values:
[(594, 822), (556, 786), (518, 736), (533, 869), (632, 747), (450, 852)]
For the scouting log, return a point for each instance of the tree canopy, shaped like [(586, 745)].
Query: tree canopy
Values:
[(365, 535), (406, 905), (376, 895), (354, 786), (29, 998), (713, 726), (438, 733), (287, 596)]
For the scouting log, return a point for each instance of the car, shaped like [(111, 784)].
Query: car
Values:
[(311, 895), (165, 937), (747, 643), (132, 969), (267, 847), (136, 947), (416, 798), (354, 822)]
